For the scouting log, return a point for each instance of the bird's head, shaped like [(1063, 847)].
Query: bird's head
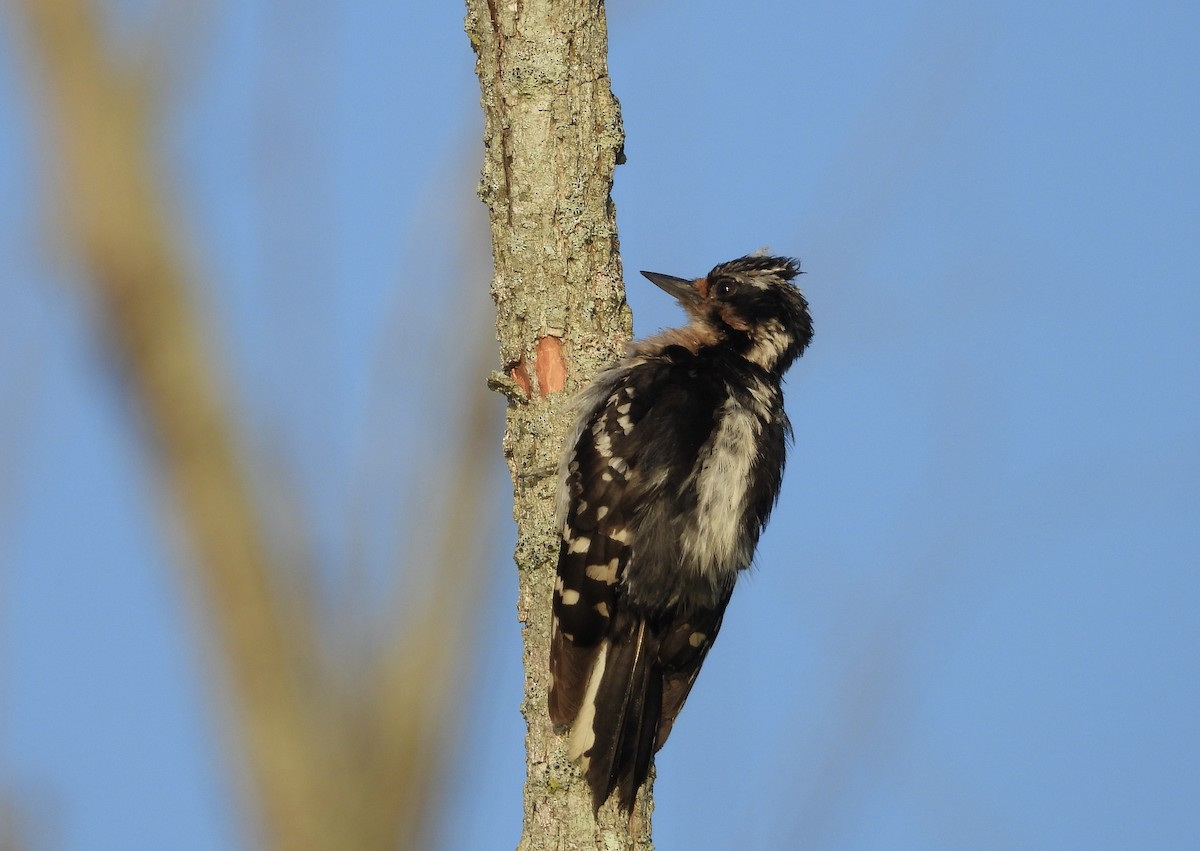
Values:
[(749, 304)]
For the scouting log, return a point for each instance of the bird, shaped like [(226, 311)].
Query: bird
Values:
[(668, 476)]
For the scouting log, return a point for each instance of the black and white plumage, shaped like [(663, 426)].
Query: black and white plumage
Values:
[(669, 475)]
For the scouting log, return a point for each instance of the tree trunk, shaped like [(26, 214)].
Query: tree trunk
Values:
[(551, 140)]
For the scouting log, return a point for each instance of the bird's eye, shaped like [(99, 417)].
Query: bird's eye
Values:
[(724, 288)]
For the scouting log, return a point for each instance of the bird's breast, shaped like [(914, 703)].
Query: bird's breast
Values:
[(717, 540)]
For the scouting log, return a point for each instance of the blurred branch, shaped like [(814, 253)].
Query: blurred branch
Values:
[(13, 833), (334, 766), (19, 394), (422, 668), (120, 225)]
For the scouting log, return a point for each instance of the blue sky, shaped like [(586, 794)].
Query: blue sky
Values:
[(975, 620)]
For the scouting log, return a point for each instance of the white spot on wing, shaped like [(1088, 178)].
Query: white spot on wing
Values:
[(570, 597), (603, 441), (602, 572), (585, 405)]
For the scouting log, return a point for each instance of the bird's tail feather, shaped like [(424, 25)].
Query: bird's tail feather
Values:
[(626, 704)]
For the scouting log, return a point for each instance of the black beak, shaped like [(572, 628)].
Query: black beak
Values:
[(681, 288)]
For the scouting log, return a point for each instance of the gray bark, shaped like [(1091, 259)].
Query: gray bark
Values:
[(551, 141)]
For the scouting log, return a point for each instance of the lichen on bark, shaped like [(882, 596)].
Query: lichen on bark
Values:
[(552, 138)]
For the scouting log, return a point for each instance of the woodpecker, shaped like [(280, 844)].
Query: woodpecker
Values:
[(667, 479)]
